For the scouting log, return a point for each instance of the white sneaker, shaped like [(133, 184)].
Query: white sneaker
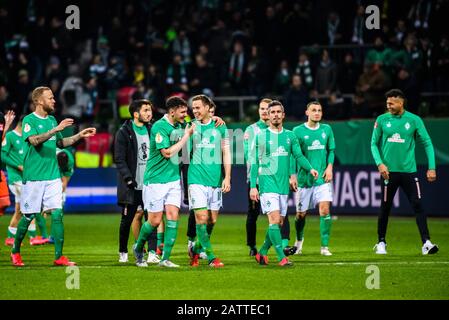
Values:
[(123, 257), (168, 264), (141, 264), (298, 245), (325, 251), (381, 248), (203, 255), (429, 248), (153, 258)]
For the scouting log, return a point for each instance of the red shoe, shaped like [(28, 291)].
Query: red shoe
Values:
[(9, 242), (263, 260), (194, 260), (285, 262), (216, 263), (64, 261), (37, 241), (16, 259)]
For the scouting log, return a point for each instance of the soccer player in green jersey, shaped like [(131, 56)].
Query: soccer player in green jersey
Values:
[(42, 186), (253, 206), (317, 144), (162, 186), (12, 156), (270, 167), (393, 148), (209, 149)]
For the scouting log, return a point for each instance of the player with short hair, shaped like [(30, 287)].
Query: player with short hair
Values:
[(162, 186), (317, 143), (393, 148), (42, 186), (253, 206), (209, 149), (270, 167)]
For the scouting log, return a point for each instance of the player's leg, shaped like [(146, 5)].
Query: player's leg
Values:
[(214, 205), (285, 234), (172, 202), (127, 218), (160, 238), (303, 202), (12, 228), (42, 224), (251, 224), (412, 188), (191, 231), (136, 222), (322, 195), (388, 188)]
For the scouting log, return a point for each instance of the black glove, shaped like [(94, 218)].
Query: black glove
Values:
[(130, 183)]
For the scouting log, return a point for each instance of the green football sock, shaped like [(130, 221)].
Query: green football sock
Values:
[(284, 243), (203, 237), (171, 231), (160, 238), (57, 228), (42, 224), (145, 232), (32, 230), (275, 237), (325, 229), (299, 224), (22, 229), (266, 244), (11, 232), (210, 228)]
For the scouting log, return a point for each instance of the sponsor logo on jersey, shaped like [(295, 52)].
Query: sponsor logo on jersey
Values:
[(316, 145), (27, 127), (280, 152), (158, 138), (206, 144), (396, 138)]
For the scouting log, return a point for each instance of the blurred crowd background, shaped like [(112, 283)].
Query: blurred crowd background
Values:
[(234, 51)]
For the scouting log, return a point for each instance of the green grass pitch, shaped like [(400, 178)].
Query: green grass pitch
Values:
[(92, 241)]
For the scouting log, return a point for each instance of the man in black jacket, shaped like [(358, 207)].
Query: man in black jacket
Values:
[(131, 150)]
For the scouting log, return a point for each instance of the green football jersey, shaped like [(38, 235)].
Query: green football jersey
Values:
[(394, 138), (248, 141), (67, 172), (159, 169), (317, 145), (270, 160), (39, 163), (205, 146), (12, 155)]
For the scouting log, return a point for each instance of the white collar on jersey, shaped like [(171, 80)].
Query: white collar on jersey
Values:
[(39, 116), (276, 132), (316, 128)]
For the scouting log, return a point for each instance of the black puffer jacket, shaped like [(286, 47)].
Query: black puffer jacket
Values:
[(125, 158)]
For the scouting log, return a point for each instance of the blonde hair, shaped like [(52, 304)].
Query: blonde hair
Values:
[(37, 93)]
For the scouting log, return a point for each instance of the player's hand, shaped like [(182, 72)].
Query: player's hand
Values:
[(226, 185), (293, 182), (190, 129), (218, 121), (431, 175), (64, 124), (9, 118), (131, 184), (328, 174), (314, 173), (383, 170), (88, 132), (254, 194)]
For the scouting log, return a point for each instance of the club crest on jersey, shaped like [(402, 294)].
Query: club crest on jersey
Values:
[(407, 126), (27, 127), (306, 137), (323, 135), (158, 138), (388, 124)]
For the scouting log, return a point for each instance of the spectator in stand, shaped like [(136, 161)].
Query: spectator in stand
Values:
[(407, 82), (348, 74), (203, 78), (334, 35), (295, 99), (326, 75), (177, 75), (304, 69), (257, 72), (380, 54), (372, 85), (428, 65), (282, 79), (181, 45), (442, 65), (237, 69), (359, 26)]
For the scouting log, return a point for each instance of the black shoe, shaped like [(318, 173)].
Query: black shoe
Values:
[(252, 252), (288, 251)]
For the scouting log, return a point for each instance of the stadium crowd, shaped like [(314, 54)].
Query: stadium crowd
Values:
[(291, 50)]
